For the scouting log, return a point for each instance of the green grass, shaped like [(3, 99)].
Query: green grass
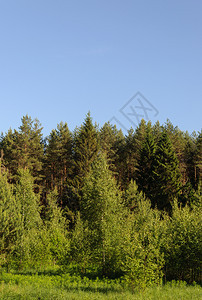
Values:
[(65, 286)]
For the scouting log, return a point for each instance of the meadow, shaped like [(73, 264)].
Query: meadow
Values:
[(61, 285)]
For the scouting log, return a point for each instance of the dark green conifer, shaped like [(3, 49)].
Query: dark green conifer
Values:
[(166, 174)]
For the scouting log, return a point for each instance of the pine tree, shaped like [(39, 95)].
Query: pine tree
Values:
[(178, 141), (58, 158), (24, 148)]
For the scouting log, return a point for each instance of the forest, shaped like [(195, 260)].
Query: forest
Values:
[(104, 203)]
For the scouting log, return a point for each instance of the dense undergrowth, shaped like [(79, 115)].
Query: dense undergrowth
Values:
[(59, 284)]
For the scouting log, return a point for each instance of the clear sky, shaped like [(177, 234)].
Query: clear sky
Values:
[(60, 58)]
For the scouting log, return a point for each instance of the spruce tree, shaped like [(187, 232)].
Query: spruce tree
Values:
[(178, 141), (27, 200), (190, 158), (106, 216), (112, 143), (30, 250), (166, 174), (85, 150), (132, 196), (145, 171), (199, 160), (130, 159), (9, 219), (56, 228), (134, 143)]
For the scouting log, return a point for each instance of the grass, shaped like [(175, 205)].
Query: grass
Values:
[(55, 285)]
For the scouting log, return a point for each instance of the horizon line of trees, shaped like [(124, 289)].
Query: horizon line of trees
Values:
[(128, 204)]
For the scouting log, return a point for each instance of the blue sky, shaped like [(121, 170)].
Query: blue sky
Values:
[(59, 59)]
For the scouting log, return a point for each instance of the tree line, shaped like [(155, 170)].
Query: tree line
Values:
[(128, 205)]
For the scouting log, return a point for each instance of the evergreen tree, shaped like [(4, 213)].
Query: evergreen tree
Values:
[(183, 250), (134, 144), (143, 263), (58, 158), (9, 219), (130, 159), (24, 148), (27, 200), (31, 249), (199, 160), (145, 171), (112, 143), (178, 141), (56, 228), (85, 150), (80, 244), (190, 158), (102, 208), (166, 175), (132, 196)]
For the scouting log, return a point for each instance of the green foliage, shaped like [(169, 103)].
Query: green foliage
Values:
[(56, 229), (166, 174), (112, 143), (85, 149), (24, 148), (132, 196), (183, 250), (102, 208), (53, 286), (80, 250), (58, 163), (145, 174), (9, 219), (144, 258), (114, 229), (199, 159), (27, 201)]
